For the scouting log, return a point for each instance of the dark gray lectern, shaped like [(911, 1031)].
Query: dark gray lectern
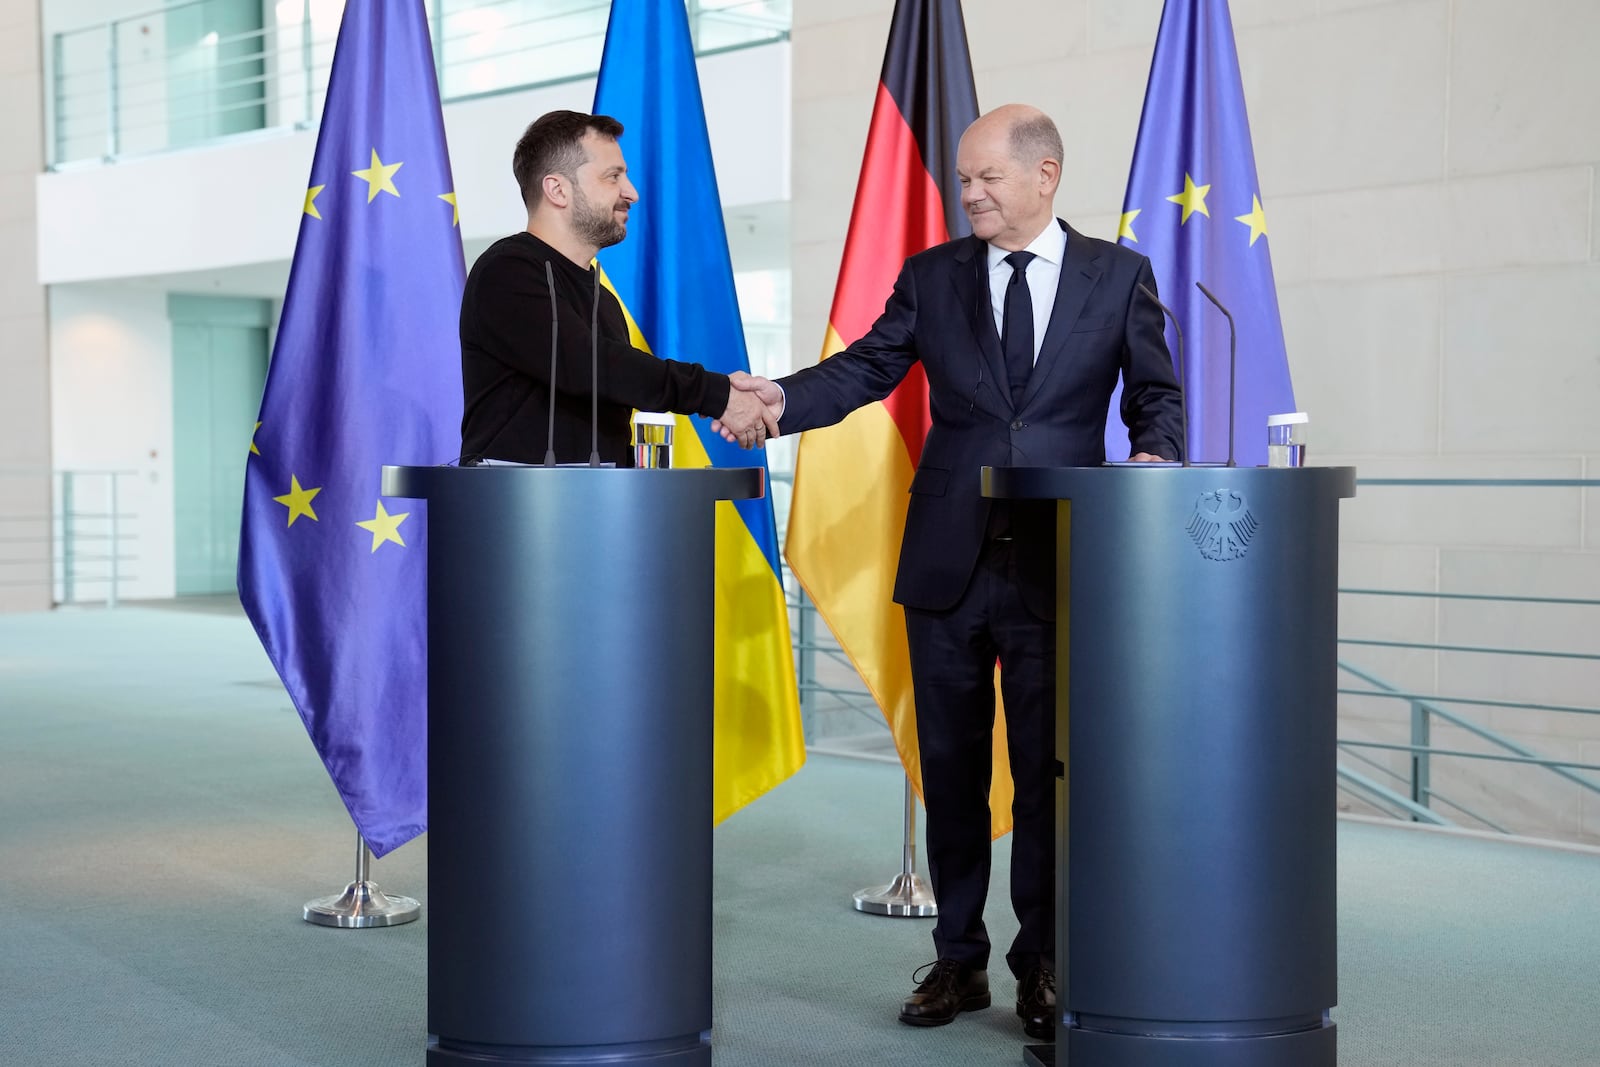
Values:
[(1195, 721), (569, 761)]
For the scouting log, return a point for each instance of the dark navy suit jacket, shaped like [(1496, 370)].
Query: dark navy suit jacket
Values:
[(940, 315)]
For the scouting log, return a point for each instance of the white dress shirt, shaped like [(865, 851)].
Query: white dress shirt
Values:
[(1044, 272)]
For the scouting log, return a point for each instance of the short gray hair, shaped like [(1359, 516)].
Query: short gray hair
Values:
[(1035, 138)]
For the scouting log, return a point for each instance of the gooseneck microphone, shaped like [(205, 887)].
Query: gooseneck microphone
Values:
[(594, 371), (1233, 342), (1183, 393), (555, 325)]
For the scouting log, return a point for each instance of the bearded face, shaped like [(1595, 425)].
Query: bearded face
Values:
[(600, 224)]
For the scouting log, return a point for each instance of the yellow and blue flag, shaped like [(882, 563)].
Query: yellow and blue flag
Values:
[(1194, 207), (675, 281), (366, 370)]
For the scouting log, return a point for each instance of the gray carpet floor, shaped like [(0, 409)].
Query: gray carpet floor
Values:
[(163, 818)]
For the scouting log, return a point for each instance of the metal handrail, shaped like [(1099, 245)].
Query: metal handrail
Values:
[(1425, 707), (1530, 758), (1374, 764), (93, 111), (1499, 597), (1371, 789), (1423, 751), (1417, 803), (62, 536), (1471, 813), (1480, 702), (1483, 649)]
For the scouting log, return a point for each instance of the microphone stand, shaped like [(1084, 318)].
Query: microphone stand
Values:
[(555, 326), (594, 372), (1233, 344)]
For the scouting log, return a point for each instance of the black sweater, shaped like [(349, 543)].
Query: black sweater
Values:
[(505, 362)]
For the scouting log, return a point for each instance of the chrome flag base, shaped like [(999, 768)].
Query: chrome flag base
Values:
[(362, 903), (908, 896)]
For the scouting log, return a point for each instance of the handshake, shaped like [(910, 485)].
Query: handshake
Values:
[(754, 407)]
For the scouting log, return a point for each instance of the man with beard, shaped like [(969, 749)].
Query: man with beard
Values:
[(576, 188)]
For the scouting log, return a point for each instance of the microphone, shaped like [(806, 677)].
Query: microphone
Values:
[(550, 439), (1183, 393), (594, 372), (1233, 341)]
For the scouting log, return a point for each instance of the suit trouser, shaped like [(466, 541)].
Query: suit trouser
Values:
[(953, 656)]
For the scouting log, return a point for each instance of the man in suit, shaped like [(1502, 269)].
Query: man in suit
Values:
[(1023, 329)]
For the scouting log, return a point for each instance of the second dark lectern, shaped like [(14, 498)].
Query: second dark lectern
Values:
[(570, 650), (1195, 721)]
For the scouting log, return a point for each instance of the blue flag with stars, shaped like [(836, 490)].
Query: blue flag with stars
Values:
[(1194, 207), (366, 370)]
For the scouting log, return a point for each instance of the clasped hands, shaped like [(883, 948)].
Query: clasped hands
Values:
[(754, 407)]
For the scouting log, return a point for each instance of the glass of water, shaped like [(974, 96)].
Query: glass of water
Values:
[(1286, 439)]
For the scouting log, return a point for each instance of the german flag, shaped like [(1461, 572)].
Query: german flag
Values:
[(851, 480)]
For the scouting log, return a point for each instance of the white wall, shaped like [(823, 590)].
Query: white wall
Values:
[(111, 380), (1428, 173), (24, 400)]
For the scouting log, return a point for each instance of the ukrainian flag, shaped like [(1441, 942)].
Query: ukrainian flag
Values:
[(675, 282)]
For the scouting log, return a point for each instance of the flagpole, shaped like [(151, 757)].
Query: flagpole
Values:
[(362, 903), (908, 896)]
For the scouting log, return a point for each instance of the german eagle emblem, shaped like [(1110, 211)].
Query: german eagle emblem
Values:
[(1222, 525)]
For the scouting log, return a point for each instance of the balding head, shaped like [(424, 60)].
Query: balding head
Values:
[(1034, 137), (1009, 162)]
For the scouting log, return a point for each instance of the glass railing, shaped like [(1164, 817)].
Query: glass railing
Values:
[(1473, 705), (83, 527), (198, 71)]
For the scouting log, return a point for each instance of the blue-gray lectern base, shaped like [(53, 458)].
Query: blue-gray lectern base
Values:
[(1313, 1048), (570, 658), (1195, 725)]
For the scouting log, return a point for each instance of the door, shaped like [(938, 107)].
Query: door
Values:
[(219, 366)]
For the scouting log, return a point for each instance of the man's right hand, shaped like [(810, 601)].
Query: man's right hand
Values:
[(754, 406), (748, 421)]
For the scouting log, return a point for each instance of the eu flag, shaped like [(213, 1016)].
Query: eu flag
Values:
[(366, 371), (675, 281), (1194, 207)]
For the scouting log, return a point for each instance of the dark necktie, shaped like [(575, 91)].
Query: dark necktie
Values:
[(1016, 331)]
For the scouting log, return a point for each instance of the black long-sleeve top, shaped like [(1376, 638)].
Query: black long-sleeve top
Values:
[(505, 362)]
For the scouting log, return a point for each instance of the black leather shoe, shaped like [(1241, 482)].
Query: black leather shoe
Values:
[(1036, 1003), (949, 989)]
